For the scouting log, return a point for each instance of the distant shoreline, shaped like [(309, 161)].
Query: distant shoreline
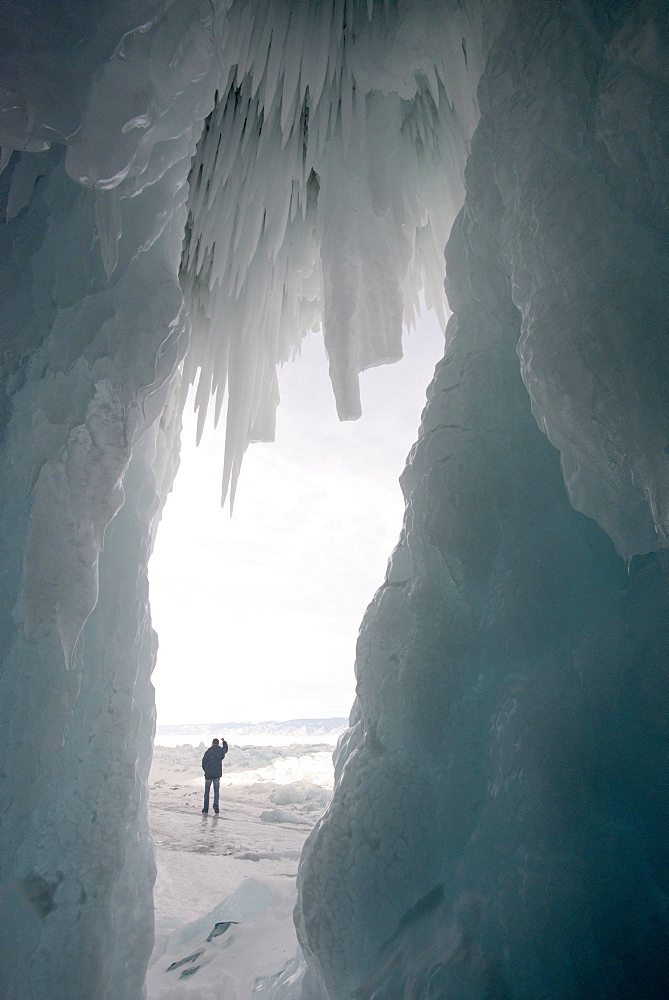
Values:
[(298, 732), (334, 722)]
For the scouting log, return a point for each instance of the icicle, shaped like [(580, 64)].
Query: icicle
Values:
[(221, 363), (275, 60), (242, 54), (294, 203), (336, 41), (262, 35), (189, 371), (318, 54), (240, 397), (293, 62), (201, 401), (251, 130), (290, 115), (431, 76), (227, 155), (108, 216), (419, 125), (221, 255), (212, 140), (264, 425), (250, 233), (312, 142), (360, 115), (346, 102), (252, 264)]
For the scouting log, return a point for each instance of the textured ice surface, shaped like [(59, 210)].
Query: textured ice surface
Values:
[(323, 189), (93, 329), (509, 735), (79, 391), (220, 955), (585, 243), (498, 825)]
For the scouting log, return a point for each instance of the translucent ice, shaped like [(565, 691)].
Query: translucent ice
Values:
[(185, 189), (498, 827), (324, 186)]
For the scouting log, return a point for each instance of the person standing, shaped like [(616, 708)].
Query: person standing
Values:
[(212, 765)]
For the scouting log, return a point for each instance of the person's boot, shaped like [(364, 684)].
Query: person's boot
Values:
[(216, 810)]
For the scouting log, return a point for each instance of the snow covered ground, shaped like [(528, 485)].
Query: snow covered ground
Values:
[(225, 886)]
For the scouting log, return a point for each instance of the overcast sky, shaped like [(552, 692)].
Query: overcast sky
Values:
[(257, 616)]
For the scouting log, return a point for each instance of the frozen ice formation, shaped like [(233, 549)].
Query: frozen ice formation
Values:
[(219, 953), (506, 739), (323, 189), (186, 188)]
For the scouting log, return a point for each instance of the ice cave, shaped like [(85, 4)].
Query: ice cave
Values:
[(187, 188)]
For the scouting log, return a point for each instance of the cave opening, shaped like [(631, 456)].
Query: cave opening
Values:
[(263, 604), (257, 613), (498, 824)]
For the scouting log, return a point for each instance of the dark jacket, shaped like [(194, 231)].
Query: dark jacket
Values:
[(212, 760)]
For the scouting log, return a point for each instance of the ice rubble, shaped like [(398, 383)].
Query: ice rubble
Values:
[(220, 954), (325, 145)]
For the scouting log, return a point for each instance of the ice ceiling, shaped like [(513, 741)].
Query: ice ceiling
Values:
[(189, 186)]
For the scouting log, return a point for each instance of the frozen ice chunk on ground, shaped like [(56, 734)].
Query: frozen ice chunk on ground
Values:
[(248, 939)]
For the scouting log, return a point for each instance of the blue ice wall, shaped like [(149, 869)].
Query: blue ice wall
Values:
[(499, 824), (77, 723)]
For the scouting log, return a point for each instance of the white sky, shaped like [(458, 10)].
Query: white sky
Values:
[(257, 616)]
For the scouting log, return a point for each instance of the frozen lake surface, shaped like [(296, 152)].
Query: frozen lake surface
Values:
[(234, 871)]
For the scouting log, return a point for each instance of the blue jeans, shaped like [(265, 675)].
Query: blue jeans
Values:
[(207, 785)]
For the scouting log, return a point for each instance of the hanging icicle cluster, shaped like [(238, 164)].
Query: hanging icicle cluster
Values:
[(323, 190)]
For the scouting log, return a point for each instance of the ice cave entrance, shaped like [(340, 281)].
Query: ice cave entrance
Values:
[(257, 615)]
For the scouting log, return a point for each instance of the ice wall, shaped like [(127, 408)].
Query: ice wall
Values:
[(580, 148), (77, 706), (93, 327), (255, 166), (499, 821), (101, 109)]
